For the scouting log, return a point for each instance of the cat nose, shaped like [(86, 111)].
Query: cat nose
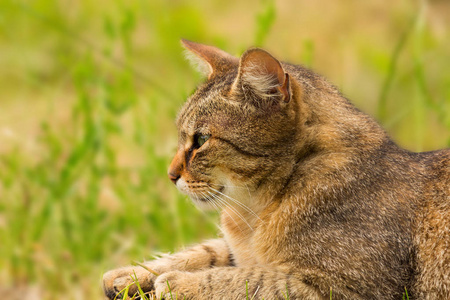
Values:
[(176, 167), (174, 177)]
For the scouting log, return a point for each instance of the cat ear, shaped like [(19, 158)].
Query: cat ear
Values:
[(264, 75), (209, 60)]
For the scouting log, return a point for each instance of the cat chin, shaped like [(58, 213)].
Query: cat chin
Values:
[(182, 186)]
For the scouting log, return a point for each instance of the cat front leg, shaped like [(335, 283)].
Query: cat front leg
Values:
[(209, 254), (234, 283)]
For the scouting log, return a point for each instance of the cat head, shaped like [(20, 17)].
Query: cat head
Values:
[(236, 131)]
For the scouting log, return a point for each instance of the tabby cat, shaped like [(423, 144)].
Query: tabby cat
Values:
[(315, 197)]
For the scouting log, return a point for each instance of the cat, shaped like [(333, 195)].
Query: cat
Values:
[(317, 201)]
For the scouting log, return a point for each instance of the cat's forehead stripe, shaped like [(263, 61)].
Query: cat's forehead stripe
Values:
[(208, 92), (190, 107), (195, 106), (203, 91), (187, 118)]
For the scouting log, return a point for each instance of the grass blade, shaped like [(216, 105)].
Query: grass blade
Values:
[(135, 263)]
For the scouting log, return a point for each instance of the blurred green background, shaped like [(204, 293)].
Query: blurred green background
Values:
[(89, 91)]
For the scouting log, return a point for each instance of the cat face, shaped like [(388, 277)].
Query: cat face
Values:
[(235, 130)]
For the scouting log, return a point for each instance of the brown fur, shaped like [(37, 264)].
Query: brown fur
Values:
[(326, 199)]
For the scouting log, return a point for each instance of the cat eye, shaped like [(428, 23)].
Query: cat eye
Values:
[(201, 139)]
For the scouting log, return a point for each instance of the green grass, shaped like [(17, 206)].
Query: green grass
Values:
[(90, 93)]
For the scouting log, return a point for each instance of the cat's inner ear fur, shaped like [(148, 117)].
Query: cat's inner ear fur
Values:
[(263, 74), (208, 60)]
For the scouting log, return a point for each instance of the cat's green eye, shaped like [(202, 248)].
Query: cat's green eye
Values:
[(201, 139)]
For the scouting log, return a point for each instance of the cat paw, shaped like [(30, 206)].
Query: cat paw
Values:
[(177, 285), (116, 281)]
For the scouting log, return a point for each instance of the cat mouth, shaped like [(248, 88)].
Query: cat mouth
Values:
[(204, 202), (209, 194), (201, 198)]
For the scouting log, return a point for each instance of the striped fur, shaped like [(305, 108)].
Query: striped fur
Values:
[(313, 193)]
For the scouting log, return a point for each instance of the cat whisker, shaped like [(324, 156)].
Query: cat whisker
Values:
[(233, 209), (210, 200), (215, 204), (242, 205), (228, 185), (234, 221), (235, 186)]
